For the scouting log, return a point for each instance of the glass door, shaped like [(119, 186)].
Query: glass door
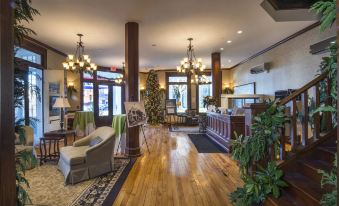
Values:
[(108, 102), (103, 109)]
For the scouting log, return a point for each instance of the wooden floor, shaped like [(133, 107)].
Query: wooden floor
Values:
[(174, 173)]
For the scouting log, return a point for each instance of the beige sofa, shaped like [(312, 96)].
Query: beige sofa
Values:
[(84, 160)]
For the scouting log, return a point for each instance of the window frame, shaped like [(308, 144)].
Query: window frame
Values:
[(197, 90)]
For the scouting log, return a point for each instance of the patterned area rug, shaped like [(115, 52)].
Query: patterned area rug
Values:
[(47, 186), (181, 128)]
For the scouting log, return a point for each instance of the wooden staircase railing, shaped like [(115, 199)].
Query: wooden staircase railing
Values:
[(298, 135)]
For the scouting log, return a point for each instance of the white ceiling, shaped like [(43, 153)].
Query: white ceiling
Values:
[(166, 23)]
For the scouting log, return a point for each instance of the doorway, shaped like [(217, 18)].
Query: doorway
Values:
[(102, 96)]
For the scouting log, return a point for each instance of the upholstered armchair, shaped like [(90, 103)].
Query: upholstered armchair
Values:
[(89, 157)]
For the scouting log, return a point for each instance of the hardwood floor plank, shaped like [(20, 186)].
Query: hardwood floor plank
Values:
[(175, 174)]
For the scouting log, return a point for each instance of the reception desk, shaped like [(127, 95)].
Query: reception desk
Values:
[(221, 128)]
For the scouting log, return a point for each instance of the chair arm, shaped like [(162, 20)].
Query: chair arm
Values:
[(102, 151), (83, 142)]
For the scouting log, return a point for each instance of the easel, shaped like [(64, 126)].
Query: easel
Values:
[(143, 132)]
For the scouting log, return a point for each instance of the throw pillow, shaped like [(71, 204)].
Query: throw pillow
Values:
[(94, 141)]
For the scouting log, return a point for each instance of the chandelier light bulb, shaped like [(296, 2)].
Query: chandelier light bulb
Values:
[(81, 64), (182, 62), (86, 57), (89, 60), (64, 64), (199, 60), (70, 57), (71, 64), (185, 59)]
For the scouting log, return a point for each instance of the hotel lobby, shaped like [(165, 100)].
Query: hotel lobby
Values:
[(155, 102)]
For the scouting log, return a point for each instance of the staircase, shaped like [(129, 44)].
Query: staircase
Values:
[(304, 151), (302, 177)]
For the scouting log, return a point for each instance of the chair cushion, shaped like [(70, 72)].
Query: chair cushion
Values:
[(94, 141), (73, 155)]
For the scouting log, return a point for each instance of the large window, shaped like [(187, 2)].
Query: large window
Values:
[(177, 89), (203, 90), (29, 89)]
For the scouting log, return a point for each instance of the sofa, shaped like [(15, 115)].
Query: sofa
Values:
[(89, 157)]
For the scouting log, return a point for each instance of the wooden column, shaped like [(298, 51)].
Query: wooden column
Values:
[(7, 160), (337, 17), (216, 76), (132, 82)]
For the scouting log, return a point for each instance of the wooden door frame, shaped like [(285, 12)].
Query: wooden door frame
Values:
[(7, 155)]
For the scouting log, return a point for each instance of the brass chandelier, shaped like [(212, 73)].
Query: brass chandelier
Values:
[(79, 61), (192, 66)]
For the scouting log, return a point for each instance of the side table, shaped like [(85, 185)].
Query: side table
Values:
[(53, 138)]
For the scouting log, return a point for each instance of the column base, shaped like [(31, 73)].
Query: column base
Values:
[(133, 152)]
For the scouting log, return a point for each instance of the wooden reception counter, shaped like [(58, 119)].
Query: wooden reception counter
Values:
[(221, 128)]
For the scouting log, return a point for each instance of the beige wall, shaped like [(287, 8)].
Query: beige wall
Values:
[(292, 65), (54, 73)]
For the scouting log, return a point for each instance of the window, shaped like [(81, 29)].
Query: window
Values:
[(204, 89), (87, 96), (177, 89), (28, 55), (30, 74)]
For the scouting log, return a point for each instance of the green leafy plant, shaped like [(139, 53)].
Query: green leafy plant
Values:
[(253, 151), (265, 134), (327, 10), (266, 181), (330, 179)]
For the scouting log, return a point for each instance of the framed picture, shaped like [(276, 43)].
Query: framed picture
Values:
[(53, 111), (135, 113), (54, 88), (171, 106)]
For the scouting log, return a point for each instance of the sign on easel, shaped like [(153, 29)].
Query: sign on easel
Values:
[(135, 114)]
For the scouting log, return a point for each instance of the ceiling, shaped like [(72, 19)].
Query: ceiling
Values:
[(167, 24)]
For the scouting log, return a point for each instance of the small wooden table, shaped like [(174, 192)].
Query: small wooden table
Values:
[(61, 134), (53, 137)]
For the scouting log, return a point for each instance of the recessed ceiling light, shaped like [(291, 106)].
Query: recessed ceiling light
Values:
[(222, 49), (229, 61), (222, 65), (239, 32), (229, 41)]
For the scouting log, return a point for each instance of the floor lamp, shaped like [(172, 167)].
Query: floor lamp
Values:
[(61, 103)]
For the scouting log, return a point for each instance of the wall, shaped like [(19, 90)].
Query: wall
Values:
[(54, 73), (292, 65)]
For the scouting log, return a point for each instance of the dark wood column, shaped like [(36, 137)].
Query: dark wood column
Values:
[(7, 160), (337, 17), (216, 76), (132, 82)]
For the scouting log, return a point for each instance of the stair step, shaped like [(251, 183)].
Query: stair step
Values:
[(284, 199), (302, 188), (325, 153), (311, 167)]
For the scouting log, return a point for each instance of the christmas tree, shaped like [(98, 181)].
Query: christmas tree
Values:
[(153, 99)]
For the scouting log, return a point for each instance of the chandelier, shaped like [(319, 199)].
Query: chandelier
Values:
[(79, 61), (191, 65)]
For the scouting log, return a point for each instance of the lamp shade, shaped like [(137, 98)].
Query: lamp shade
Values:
[(61, 102)]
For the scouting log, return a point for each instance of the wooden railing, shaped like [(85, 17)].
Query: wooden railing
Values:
[(303, 129)]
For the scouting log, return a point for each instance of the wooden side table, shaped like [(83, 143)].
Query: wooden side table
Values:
[(61, 134), (53, 138)]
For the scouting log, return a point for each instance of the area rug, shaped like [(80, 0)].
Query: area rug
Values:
[(204, 144), (182, 128), (47, 186)]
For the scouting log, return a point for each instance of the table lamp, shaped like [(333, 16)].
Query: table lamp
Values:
[(61, 103)]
